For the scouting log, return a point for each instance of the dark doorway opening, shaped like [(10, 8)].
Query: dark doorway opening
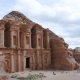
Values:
[(27, 62)]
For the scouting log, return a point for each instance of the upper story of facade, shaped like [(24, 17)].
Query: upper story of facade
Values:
[(17, 31)]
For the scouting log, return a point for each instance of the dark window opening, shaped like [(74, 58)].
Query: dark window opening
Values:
[(27, 62), (7, 35)]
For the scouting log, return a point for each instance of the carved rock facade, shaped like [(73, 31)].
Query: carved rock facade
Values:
[(25, 44)]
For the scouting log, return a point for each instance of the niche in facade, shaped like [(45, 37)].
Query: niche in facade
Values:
[(39, 42), (21, 39), (27, 40), (33, 38), (14, 40), (7, 35)]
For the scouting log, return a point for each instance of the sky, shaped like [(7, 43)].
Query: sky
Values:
[(60, 16)]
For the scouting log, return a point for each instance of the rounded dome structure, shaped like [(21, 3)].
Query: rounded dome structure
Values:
[(17, 16)]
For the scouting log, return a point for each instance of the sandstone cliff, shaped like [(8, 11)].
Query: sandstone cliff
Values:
[(61, 57)]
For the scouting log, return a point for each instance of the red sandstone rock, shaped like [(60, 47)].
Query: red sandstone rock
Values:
[(61, 58), (76, 54)]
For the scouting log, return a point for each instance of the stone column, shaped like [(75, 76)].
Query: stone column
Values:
[(12, 63), (42, 39), (36, 39), (18, 39), (11, 38), (1, 36), (48, 44), (34, 62), (31, 62), (30, 39), (2, 70), (19, 61), (24, 41), (29, 35), (24, 63)]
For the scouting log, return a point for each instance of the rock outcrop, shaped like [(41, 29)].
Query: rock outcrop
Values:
[(61, 57), (76, 54)]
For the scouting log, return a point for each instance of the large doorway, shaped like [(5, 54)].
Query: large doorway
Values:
[(28, 62)]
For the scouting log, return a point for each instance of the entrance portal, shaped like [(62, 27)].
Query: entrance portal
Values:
[(28, 62)]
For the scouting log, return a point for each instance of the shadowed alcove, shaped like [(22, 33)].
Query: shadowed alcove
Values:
[(7, 35)]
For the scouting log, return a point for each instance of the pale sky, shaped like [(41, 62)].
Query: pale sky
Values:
[(60, 16)]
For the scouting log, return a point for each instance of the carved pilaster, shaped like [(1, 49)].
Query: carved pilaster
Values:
[(19, 60), (1, 36), (12, 63)]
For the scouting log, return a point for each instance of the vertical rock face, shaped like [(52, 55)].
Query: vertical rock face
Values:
[(76, 54), (61, 57)]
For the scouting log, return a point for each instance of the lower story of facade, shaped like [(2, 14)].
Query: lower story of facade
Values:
[(15, 60)]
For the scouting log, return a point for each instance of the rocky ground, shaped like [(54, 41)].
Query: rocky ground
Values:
[(45, 75)]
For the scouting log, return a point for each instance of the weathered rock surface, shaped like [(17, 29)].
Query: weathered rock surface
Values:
[(76, 54), (61, 57)]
